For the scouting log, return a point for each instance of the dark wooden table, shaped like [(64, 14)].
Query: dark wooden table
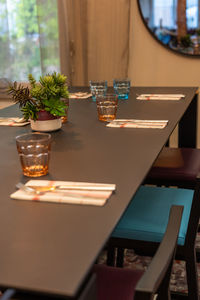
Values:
[(50, 248)]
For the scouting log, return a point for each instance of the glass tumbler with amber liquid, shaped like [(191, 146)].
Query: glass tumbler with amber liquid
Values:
[(107, 107), (34, 153)]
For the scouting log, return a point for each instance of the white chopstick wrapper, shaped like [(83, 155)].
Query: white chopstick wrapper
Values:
[(80, 95), (12, 122), (85, 197), (160, 97), (133, 123)]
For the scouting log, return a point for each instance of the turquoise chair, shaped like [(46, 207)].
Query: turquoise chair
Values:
[(144, 222)]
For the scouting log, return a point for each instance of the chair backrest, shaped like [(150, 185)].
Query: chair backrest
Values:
[(193, 223), (156, 278)]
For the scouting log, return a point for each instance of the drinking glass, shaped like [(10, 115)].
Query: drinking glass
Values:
[(34, 153), (107, 107), (98, 88), (122, 87)]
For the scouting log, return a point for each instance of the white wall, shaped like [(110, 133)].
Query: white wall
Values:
[(151, 64)]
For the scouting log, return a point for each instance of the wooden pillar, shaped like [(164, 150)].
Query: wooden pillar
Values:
[(198, 9)]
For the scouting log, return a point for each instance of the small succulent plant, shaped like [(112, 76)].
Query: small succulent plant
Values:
[(43, 95)]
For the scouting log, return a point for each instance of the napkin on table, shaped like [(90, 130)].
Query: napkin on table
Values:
[(86, 197), (80, 95), (160, 97), (133, 123), (6, 121)]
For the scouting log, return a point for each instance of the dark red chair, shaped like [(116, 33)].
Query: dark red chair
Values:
[(175, 167), (179, 166), (126, 284)]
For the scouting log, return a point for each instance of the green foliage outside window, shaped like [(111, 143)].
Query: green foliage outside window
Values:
[(28, 38)]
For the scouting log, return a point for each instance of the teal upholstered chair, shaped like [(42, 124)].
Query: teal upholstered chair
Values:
[(127, 284), (144, 222), (176, 167)]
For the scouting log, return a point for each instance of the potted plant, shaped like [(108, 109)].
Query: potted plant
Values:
[(41, 102)]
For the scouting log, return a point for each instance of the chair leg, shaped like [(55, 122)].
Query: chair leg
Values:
[(166, 296), (120, 257), (164, 291), (110, 256), (192, 276)]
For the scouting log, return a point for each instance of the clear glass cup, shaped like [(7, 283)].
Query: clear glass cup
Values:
[(122, 88), (34, 153), (98, 88), (107, 107)]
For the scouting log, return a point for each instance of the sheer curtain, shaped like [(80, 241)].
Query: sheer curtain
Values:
[(94, 39), (28, 38), (91, 41)]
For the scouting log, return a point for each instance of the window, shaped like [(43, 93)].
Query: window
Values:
[(28, 38), (164, 13), (192, 14)]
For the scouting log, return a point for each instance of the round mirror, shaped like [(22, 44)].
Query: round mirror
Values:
[(174, 23)]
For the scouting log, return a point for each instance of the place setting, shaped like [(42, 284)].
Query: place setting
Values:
[(107, 106), (168, 97), (86, 193), (80, 95), (133, 123), (34, 153), (13, 121)]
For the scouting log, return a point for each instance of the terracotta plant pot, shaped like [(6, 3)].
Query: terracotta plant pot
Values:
[(46, 122)]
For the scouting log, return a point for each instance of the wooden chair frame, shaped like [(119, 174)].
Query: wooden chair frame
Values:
[(156, 278)]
